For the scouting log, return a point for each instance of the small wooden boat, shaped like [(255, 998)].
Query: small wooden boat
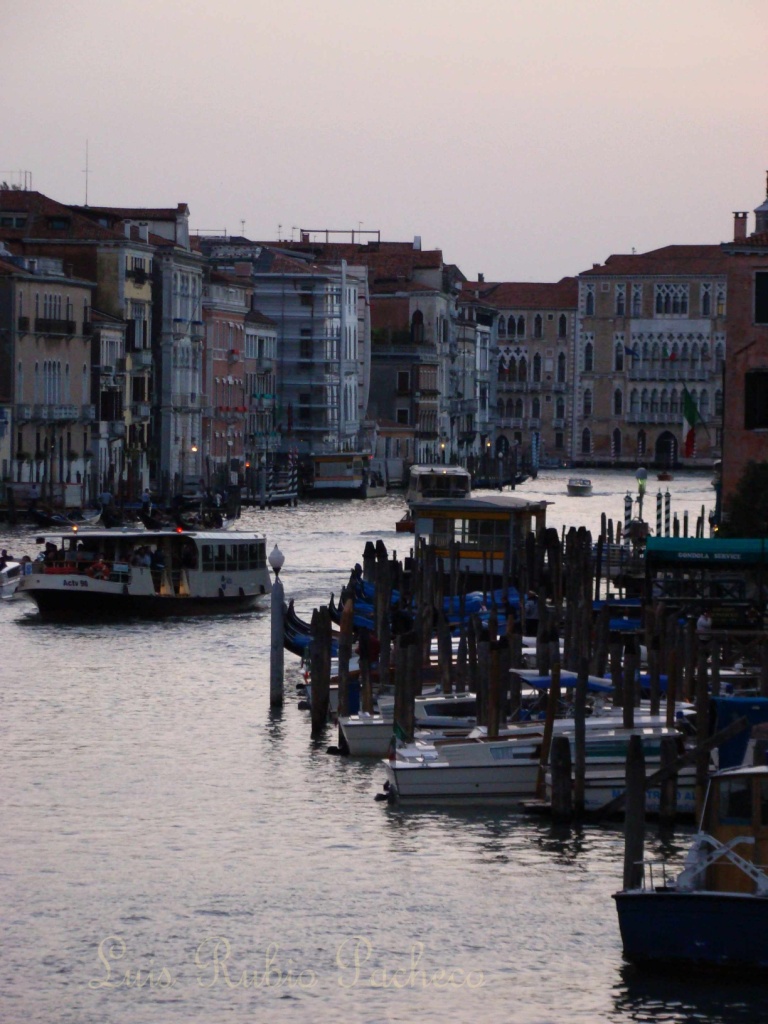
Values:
[(713, 914), (579, 487), (406, 524), (664, 475)]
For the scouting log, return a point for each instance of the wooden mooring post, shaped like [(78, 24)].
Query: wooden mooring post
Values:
[(634, 814)]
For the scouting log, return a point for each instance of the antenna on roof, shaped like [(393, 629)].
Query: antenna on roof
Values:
[(85, 172), (242, 228)]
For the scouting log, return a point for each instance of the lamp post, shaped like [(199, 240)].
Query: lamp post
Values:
[(277, 650)]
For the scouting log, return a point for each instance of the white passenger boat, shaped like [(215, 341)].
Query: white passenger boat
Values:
[(579, 487), (426, 483), (125, 573)]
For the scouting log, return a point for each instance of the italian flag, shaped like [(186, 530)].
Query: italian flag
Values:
[(691, 417)]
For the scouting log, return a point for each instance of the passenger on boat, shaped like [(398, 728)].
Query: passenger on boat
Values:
[(99, 570)]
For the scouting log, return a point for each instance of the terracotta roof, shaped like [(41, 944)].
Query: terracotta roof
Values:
[(562, 294), (388, 260), (671, 260), (134, 213), (42, 212), (253, 316)]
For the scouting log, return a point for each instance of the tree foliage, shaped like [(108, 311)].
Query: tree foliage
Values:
[(747, 508)]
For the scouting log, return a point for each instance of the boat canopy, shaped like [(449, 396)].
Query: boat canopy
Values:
[(706, 551)]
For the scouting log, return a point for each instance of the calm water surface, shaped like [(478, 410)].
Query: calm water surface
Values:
[(173, 851)]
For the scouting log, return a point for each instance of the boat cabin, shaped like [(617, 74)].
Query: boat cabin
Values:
[(340, 474), (425, 483), (485, 535), (737, 805)]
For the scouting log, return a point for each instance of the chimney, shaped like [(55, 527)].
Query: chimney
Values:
[(417, 243), (739, 227), (143, 231), (481, 278)]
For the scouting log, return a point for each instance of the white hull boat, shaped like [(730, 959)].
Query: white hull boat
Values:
[(10, 575)]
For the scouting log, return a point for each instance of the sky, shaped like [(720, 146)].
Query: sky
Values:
[(527, 139)]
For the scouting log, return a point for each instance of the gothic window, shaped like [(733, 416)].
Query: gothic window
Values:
[(634, 401), (522, 370), (671, 300), (537, 367), (538, 326), (561, 364), (589, 300), (618, 402), (618, 363), (621, 299), (706, 299), (518, 408), (720, 300), (588, 357), (719, 356), (654, 401), (637, 299), (645, 404), (417, 327), (664, 406), (511, 327), (587, 403), (562, 326), (560, 408), (586, 442), (502, 327), (536, 408), (704, 404), (521, 327), (674, 402), (718, 402), (500, 409)]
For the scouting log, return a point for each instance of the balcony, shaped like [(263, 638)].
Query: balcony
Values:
[(656, 416), (41, 412), (117, 428), (558, 423), (62, 413), (87, 413), (234, 355), (23, 323), (141, 359), (140, 410), (87, 328), (24, 412), (558, 385), (534, 385), (671, 371), (534, 423), (138, 275), (47, 326)]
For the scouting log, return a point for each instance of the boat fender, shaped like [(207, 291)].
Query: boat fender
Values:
[(381, 796)]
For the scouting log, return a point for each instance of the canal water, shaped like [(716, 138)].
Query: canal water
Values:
[(172, 850)]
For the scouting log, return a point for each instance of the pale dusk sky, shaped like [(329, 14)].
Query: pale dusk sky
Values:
[(528, 139)]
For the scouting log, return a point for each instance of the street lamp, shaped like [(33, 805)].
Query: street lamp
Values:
[(276, 560), (641, 476)]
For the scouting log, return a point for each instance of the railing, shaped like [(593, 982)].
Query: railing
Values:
[(23, 323), (117, 428), (671, 372), (657, 416), (87, 328), (87, 413), (141, 359), (24, 412), (47, 326), (140, 411), (558, 385), (41, 412), (61, 413)]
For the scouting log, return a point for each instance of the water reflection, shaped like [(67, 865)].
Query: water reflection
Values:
[(661, 998)]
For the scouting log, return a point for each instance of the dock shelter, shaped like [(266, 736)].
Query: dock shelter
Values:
[(728, 575)]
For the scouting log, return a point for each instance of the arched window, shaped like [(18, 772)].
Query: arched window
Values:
[(510, 408), (417, 327), (538, 326), (522, 369), (718, 402), (634, 401), (502, 327), (500, 409), (618, 356), (518, 408), (664, 406), (20, 382), (562, 326), (645, 403), (537, 367), (586, 442), (511, 327), (589, 302), (674, 407), (654, 400), (560, 408), (586, 405), (521, 327), (704, 404), (618, 402), (536, 408), (561, 364), (589, 357), (719, 356), (616, 443)]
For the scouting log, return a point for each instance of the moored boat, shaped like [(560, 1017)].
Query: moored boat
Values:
[(10, 574), (148, 574), (426, 483), (713, 914)]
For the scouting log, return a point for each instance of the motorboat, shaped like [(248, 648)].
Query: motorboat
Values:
[(579, 487), (97, 574), (711, 915), (367, 735), (425, 483), (10, 574)]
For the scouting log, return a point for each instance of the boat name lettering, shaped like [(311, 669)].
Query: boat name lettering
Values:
[(74, 583)]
